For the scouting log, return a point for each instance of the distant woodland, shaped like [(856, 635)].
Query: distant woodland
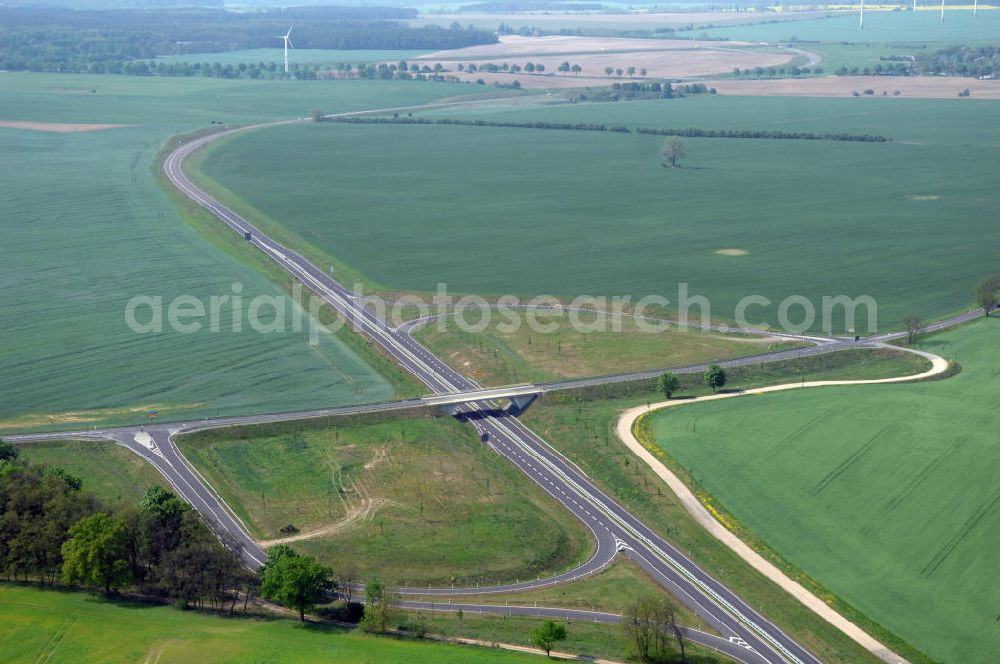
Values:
[(105, 41)]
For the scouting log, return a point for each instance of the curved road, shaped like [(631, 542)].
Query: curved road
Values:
[(751, 636)]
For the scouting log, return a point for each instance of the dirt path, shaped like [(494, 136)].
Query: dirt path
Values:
[(625, 428), (358, 512)]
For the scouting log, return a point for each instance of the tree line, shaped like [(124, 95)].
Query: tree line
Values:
[(586, 126), (977, 62), (49, 39), (271, 70), (52, 530)]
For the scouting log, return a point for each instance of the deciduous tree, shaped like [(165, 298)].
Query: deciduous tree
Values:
[(293, 580), (715, 377), (673, 151), (667, 384), (96, 552), (986, 293), (547, 634)]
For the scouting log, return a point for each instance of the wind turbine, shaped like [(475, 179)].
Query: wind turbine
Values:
[(287, 38)]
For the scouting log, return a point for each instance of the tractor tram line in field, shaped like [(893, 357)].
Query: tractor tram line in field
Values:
[(746, 635)]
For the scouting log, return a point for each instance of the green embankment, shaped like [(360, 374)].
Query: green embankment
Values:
[(585, 345), (886, 495), (119, 477), (412, 499)]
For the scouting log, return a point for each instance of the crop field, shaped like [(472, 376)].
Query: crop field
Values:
[(117, 476), (299, 56), (48, 625), (923, 26), (495, 357), (741, 217), (887, 495), (112, 234), (412, 499)]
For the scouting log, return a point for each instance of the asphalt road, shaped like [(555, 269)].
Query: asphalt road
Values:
[(753, 638), (613, 525)]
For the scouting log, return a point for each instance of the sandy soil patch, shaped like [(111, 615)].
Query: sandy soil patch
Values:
[(362, 511), (731, 252), (923, 197), (660, 59), (86, 416), (512, 46), (928, 87), (59, 128)]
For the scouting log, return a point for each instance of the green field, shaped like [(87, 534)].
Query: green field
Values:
[(924, 25), (86, 228), (887, 495), (409, 498), (116, 475), (53, 626), (498, 357), (595, 213)]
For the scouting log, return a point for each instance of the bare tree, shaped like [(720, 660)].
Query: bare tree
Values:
[(912, 324), (650, 627), (673, 151), (346, 580)]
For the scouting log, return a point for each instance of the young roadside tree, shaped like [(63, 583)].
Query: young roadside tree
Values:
[(576, 69), (715, 377), (547, 634), (379, 606), (912, 325), (673, 151), (564, 67), (96, 553), (7, 451), (609, 71), (642, 72), (293, 580), (986, 293), (318, 115), (667, 383), (631, 72)]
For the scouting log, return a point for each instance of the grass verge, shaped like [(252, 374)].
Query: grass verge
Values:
[(414, 499)]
